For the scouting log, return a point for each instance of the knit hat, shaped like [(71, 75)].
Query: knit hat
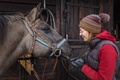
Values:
[(93, 22)]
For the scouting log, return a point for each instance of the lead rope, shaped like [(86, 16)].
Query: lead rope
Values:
[(43, 74), (36, 74), (68, 71), (56, 61)]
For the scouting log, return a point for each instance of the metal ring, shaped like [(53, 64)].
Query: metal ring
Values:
[(57, 52)]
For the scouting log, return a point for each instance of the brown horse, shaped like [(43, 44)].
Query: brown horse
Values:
[(21, 34)]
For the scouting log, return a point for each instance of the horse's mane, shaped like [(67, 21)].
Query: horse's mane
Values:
[(4, 19)]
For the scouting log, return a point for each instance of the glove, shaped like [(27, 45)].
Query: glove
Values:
[(78, 63)]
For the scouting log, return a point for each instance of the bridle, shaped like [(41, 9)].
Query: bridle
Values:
[(56, 51), (41, 39)]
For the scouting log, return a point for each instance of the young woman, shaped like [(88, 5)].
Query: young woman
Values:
[(101, 60)]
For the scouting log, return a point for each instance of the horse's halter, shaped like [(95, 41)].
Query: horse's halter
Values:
[(56, 51)]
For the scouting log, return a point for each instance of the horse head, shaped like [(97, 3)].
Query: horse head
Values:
[(47, 39), (28, 35)]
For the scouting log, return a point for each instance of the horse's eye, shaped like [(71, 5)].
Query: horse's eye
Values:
[(46, 29)]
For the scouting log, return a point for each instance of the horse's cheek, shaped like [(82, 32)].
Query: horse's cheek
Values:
[(40, 50), (27, 44)]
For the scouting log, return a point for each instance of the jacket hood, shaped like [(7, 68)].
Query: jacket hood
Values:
[(106, 35)]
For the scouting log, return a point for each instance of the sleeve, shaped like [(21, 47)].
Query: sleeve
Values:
[(107, 56)]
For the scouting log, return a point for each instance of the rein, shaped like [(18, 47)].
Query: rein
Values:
[(68, 58), (38, 37), (83, 53)]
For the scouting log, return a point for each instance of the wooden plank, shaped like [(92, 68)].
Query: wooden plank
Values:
[(68, 20), (26, 65), (10, 78), (12, 7), (15, 7), (76, 22), (58, 16), (82, 5), (58, 25), (63, 29), (81, 11), (70, 33), (101, 6), (21, 1), (62, 73), (110, 12), (50, 2), (47, 76)]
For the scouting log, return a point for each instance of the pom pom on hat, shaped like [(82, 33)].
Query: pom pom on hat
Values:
[(93, 22), (104, 17)]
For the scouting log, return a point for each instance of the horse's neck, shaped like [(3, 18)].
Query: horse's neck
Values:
[(12, 46), (14, 35)]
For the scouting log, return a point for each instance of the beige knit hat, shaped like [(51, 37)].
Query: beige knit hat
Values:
[(93, 22)]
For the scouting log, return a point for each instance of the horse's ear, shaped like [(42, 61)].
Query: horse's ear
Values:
[(38, 6), (33, 13)]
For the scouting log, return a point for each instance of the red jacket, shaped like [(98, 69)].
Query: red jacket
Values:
[(107, 61)]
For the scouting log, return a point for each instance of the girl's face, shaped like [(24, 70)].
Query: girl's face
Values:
[(84, 34)]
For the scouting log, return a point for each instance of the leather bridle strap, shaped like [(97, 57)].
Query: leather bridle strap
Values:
[(31, 50), (33, 44), (36, 74)]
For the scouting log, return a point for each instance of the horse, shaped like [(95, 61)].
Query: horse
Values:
[(22, 34)]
